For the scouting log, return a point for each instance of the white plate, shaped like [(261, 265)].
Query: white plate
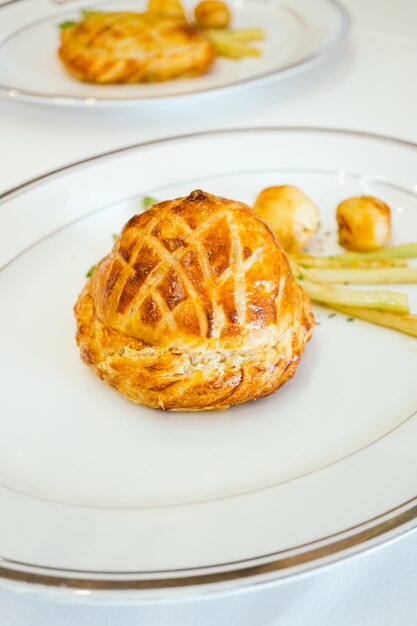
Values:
[(298, 34), (98, 493)]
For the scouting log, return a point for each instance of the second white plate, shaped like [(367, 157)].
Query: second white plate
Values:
[(298, 34)]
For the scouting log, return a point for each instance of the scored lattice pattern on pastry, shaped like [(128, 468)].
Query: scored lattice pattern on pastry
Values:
[(198, 267), (128, 47), (194, 308)]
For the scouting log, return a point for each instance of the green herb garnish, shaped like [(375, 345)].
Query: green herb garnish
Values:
[(88, 12), (67, 24), (91, 270), (350, 319), (115, 237), (331, 315), (148, 202)]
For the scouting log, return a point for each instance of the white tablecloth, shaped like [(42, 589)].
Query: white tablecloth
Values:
[(371, 85)]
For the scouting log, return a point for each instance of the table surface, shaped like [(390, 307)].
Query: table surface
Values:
[(370, 85)]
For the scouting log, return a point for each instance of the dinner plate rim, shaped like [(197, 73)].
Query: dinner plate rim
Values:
[(328, 50), (368, 535), (328, 130), (216, 583)]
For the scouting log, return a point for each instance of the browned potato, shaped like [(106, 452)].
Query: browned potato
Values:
[(212, 14), (167, 8), (364, 223), (292, 216)]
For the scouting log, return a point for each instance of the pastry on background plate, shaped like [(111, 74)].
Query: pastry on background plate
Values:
[(134, 47), (194, 308)]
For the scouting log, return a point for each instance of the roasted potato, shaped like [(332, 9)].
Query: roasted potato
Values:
[(364, 223), (212, 14), (292, 216), (167, 8)]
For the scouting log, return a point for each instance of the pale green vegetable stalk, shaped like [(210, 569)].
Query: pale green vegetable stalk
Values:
[(364, 276), (228, 46), (381, 300), (310, 261), (405, 251), (389, 254), (247, 34), (403, 323)]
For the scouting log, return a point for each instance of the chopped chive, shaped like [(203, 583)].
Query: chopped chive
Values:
[(115, 237), (300, 277), (88, 12), (148, 202), (331, 315), (350, 319), (67, 24), (91, 270)]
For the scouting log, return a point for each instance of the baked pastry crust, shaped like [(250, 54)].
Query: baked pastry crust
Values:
[(134, 47), (194, 308)]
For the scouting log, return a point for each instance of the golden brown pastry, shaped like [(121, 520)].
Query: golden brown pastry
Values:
[(134, 47), (194, 308)]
